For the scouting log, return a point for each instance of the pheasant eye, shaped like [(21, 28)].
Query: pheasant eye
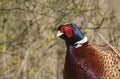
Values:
[(67, 28)]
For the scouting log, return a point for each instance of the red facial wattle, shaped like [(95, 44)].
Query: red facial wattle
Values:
[(67, 30)]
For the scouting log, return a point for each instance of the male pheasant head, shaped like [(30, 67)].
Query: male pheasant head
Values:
[(72, 35)]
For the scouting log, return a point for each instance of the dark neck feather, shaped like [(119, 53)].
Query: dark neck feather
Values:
[(76, 43)]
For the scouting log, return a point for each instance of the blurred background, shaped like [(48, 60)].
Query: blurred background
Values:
[(29, 48)]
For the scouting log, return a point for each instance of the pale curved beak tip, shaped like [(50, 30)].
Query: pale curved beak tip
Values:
[(59, 34)]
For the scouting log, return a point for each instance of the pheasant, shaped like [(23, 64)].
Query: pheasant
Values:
[(85, 61)]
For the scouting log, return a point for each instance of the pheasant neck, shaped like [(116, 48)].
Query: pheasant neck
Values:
[(80, 43)]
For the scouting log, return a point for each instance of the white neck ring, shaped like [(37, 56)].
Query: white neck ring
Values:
[(81, 42)]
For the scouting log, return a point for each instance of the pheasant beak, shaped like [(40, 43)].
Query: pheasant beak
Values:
[(59, 34)]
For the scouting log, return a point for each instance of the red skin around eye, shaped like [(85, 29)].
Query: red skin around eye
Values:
[(67, 30)]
